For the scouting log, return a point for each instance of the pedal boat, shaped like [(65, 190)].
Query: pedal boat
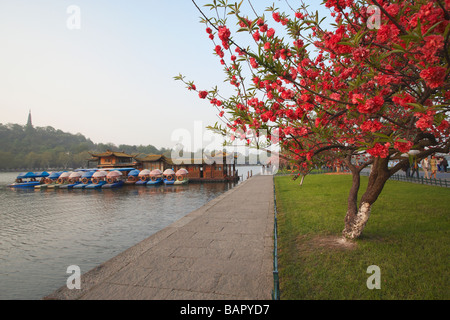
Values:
[(181, 176), (98, 180), (169, 177), (156, 178), (29, 179), (144, 177)]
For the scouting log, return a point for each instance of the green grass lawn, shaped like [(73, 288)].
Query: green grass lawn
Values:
[(407, 237)]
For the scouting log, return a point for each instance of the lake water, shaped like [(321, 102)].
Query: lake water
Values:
[(44, 232)]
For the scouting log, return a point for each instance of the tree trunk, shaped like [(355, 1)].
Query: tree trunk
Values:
[(357, 216), (303, 178)]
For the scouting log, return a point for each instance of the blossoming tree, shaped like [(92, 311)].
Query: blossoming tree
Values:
[(371, 90)]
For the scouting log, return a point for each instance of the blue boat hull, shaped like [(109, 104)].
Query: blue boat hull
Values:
[(81, 185), (154, 183), (95, 185), (169, 182), (69, 186), (31, 184), (113, 185), (141, 183)]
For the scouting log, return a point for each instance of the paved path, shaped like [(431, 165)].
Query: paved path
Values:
[(222, 250)]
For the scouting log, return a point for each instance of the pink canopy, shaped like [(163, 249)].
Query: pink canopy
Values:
[(114, 173), (156, 172), (65, 174), (99, 174), (144, 172), (168, 171), (76, 174), (182, 171)]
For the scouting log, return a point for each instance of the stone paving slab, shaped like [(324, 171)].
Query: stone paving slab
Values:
[(220, 251)]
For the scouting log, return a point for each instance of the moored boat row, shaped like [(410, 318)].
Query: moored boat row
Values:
[(99, 178)]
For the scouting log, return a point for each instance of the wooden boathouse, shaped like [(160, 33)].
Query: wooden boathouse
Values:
[(221, 167), (154, 161), (218, 168), (113, 159)]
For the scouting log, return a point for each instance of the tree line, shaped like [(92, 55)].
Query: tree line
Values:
[(27, 147)]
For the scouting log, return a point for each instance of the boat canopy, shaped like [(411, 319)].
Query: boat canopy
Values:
[(182, 171), (114, 173), (33, 175), (99, 174), (134, 172), (65, 174), (54, 175), (144, 172), (156, 172), (169, 171), (76, 174), (88, 174)]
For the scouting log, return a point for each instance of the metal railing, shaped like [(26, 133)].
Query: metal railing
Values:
[(433, 182), (399, 177), (276, 282)]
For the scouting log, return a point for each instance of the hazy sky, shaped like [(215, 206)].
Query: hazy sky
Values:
[(112, 79)]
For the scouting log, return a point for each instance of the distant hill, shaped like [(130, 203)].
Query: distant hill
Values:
[(28, 147)]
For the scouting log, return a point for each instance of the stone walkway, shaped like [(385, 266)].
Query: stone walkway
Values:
[(222, 250)]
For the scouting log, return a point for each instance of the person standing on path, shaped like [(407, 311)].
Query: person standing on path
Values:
[(415, 168), (433, 164), (425, 167), (444, 164)]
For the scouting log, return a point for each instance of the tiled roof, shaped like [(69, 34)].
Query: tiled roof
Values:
[(109, 153), (154, 158)]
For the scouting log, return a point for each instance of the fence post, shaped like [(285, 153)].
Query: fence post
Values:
[(276, 284)]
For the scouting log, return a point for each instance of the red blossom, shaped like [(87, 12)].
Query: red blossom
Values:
[(387, 32), (360, 53), (403, 146), (425, 120), (276, 16), (256, 36), (379, 150), (444, 125), (372, 126), (219, 51), (433, 76), (298, 43), (371, 105), (224, 33)]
